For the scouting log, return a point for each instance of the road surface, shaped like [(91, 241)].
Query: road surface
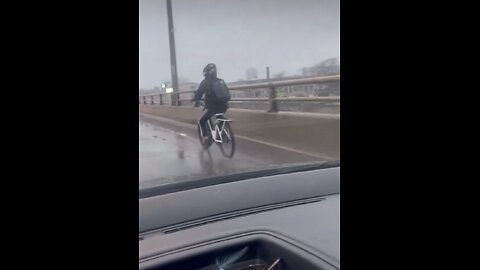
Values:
[(170, 151)]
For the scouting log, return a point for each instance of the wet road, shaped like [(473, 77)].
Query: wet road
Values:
[(170, 151)]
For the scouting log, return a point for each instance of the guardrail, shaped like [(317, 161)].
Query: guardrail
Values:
[(272, 92)]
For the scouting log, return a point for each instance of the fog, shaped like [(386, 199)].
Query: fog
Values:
[(286, 35)]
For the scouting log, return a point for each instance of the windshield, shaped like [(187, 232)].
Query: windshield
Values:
[(231, 88)]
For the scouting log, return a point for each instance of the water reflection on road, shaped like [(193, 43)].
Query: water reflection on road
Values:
[(170, 153)]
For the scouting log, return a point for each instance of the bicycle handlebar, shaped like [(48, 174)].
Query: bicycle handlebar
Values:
[(201, 102)]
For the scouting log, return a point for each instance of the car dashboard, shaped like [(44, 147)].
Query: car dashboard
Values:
[(298, 231)]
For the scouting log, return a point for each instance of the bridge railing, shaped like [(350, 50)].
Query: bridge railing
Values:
[(175, 98)]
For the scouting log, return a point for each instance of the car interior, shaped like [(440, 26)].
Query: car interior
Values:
[(287, 220)]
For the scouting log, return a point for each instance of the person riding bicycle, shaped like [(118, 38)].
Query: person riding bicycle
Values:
[(216, 94)]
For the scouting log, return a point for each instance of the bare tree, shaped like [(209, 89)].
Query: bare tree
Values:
[(279, 75), (330, 66), (305, 71), (252, 73)]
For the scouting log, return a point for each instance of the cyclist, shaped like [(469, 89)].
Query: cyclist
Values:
[(216, 96)]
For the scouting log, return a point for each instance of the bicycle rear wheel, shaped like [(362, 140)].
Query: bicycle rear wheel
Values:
[(228, 145)]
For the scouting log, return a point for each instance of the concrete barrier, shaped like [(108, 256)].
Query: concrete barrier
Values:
[(316, 134)]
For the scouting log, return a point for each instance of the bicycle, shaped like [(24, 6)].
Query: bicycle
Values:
[(221, 132)]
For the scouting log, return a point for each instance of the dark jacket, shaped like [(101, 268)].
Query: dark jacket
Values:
[(205, 88)]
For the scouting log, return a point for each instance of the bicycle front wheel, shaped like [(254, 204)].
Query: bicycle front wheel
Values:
[(228, 145)]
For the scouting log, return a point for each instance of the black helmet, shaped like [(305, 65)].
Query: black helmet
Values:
[(210, 70)]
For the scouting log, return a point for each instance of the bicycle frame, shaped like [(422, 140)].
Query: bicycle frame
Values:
[(219, 129)]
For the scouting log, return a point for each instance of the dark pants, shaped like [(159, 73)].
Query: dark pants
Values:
[(208, 113)]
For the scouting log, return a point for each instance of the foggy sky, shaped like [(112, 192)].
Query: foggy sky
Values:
[(236, 34)]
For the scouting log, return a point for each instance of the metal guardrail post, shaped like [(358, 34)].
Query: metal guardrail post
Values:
[(151, 100), (161, 101), (144, 100), (272, 94)]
